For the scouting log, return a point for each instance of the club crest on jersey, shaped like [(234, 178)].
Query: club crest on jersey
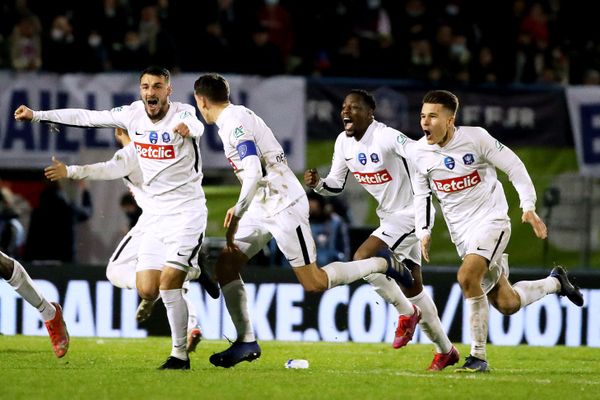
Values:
[(449, 162), (166, 138), (468, 159), (362, 158), (153, 137), (374, 157)]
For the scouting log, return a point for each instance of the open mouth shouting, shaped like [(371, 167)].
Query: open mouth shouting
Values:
[(348, 124), (152, 105)]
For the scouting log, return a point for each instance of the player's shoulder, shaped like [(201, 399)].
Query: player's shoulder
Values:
[(133, 107), (472, 131)]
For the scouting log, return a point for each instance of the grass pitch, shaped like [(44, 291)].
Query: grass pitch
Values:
[(126, 369)]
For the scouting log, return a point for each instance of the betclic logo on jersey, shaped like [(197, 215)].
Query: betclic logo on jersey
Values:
[(457, 184), (372, 178), (155, 151)]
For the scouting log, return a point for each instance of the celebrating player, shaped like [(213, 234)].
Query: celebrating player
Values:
[(166, 138), (270, 205), (377, 157), (459, 165), (123, 264)]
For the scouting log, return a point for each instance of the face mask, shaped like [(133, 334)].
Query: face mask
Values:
[(271, 2), (94, 40), (458, 49), (57, 34)]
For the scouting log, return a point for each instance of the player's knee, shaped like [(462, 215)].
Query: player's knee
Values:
[(466, 280), (148, 292)]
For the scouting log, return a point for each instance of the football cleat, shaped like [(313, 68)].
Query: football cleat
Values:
[(236, 353), (193, 338), (208, 284), (473, 364), (144, 310), (57, 329), (406, 328), (443, 360), (175, 363), (566, 287)]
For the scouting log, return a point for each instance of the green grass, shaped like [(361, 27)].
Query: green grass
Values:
[(126, 369)]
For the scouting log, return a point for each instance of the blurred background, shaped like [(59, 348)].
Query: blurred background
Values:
[(525, 70)]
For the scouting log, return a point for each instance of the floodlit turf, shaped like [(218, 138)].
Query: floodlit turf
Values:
[(126, 369)]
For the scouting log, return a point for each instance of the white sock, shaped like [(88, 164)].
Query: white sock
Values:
[(178, 315), (341, 273), (22, 283), (121, 275), (389, 290), (236, 301), (531, 291), (192, 313), (479, 315), (430, 322)]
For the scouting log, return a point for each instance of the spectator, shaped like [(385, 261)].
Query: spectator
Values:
[(60, 47), (25, 45), (329, 230), (159, 43), (51, 233), (132, 56)]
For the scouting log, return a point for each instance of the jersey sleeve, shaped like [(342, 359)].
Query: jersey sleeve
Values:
[(115, 118), (335, 181), (241, 137), (121, 165), (508, 162), (188, 117), (398, 142)]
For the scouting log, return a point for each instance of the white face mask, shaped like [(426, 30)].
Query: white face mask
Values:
[(57, 34), (94, 40)]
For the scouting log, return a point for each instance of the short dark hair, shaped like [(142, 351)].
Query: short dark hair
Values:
[(213, 86), (443, 97), (367, 97), (155, 70)]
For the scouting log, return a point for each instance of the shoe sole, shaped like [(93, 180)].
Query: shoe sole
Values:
[(219, 363)]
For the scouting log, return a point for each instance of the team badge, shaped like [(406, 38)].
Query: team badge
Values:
[(374, 157), (449, 162), (362, 158), (153, 137), (243, 150), (468, 159), (166, 138)]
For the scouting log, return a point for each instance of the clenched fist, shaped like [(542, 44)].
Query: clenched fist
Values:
[(311, 177)]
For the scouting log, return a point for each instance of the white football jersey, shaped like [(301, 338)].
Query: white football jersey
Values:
[(123, 164), (378, 161), (462, 174), (243, 134), (171, 164)]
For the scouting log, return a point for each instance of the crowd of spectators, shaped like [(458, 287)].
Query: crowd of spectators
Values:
[(449, 41)]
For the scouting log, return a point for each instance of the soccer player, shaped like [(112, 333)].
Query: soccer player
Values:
[(458, 164), (272, 204), (166, 138), (123, 264), (379, 159), (15, 275)]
